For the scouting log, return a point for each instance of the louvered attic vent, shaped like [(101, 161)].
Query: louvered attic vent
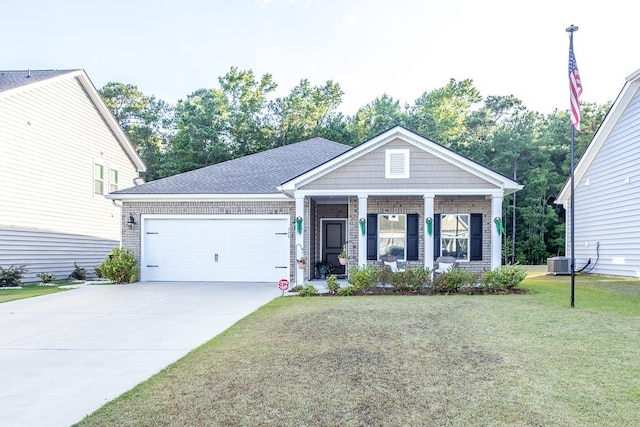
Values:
[(397, 163)]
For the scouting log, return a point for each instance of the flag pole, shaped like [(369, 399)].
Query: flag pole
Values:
[(571, 29)]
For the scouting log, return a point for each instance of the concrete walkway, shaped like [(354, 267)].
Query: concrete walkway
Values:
[(64, 355)]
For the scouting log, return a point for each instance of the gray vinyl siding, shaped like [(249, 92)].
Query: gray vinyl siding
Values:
[(608, 210), (50, 135), (426, 171), (47, 252)]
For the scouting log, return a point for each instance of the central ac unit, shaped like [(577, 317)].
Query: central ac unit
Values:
[(558, 265)]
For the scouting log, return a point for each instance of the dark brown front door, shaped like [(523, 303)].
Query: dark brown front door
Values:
[(333, 242)]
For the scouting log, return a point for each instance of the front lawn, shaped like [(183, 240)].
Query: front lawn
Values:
[(27, 291), (499, 360)]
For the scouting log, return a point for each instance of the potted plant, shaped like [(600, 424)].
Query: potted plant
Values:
[(343, 258), (324, 268), (302, 263)]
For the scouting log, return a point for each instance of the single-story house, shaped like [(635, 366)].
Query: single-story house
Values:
[(606, 189), (249, 219), (62, 152)]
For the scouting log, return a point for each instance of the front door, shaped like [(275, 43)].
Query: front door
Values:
[(333, 242)]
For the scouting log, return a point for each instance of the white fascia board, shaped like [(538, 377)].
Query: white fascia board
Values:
[(611, 119), (197, 197)]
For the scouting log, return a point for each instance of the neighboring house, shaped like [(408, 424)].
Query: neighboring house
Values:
[(61, 152), (607, 190), (249, 219)]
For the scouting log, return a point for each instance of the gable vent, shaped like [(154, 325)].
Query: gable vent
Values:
[(397, 163)]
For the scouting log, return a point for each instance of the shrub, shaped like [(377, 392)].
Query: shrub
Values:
[(98, 272), (12, 276), (505, 277), (78, 273), (332, 284), (47, 277), (453, 280), (363, 278), (120, 266), (296, 288), (308, 291), (417, 278), (346, 290), (385, 275)]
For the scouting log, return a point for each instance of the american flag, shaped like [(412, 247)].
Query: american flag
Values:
[(575, 87)]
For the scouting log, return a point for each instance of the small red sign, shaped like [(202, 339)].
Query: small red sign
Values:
[(283, 284)]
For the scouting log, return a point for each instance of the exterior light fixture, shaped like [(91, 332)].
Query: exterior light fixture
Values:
[(132, 222)]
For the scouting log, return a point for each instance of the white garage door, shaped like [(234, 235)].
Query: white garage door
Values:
[(228, 249)]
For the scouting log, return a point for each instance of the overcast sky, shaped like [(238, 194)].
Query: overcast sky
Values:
[(170, 48)]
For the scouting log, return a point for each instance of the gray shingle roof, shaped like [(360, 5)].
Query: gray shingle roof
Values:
[(258, 173), (16, 78)]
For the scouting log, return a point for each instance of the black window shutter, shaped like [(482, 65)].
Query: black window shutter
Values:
[(412, 237), (436, 236), (372, 236), (475, 251)]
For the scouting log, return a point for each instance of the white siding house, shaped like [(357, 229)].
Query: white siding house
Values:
[(607, 192), (62, 152)]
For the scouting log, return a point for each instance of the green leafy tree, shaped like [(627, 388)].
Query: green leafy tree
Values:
[(376, 117), (145, 120), (308, 111), (441, 114)]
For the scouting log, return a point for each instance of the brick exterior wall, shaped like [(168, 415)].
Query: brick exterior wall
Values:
[(415, 205), (131, 239), (469, 205)]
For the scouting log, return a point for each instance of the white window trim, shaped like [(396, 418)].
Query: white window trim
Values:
[(404, 255), (113, 168), (105, 177), (468, 238), (389, 153)]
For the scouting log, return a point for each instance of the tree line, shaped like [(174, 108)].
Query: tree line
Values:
[(241, 116)]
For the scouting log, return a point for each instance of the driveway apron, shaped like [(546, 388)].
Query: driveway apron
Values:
[(64, 355)]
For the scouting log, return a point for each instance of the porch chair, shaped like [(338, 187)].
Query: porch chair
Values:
[(444, 264), (392, 262)]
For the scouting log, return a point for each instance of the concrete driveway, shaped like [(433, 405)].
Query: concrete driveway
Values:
[(62, 356)]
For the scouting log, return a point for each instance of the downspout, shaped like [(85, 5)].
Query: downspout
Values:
[(119, 221)]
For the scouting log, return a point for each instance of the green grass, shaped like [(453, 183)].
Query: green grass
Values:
[(506, 360), (28, 291)]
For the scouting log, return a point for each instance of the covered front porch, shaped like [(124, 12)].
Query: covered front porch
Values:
[(368, 226)]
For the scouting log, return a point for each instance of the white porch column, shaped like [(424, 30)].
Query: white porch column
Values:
[(428, 239), (496, 239), (362, 239), (300, 249)]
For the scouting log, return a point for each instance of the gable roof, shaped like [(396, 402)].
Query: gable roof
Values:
[(12, 82), (629, 90), (507, 185), (11, 79), (259, 173)]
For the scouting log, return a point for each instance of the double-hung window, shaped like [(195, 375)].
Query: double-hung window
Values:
[(98, 178), (113, 180), (392, 235), (455, 234)]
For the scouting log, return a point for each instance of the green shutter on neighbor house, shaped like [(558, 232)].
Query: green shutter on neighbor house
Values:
[(475, 244), (412, 237), (372, 236)]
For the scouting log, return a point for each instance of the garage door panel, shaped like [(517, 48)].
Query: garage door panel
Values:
[(235, 250)]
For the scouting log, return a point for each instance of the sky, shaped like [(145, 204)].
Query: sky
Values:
[(402, 48)]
